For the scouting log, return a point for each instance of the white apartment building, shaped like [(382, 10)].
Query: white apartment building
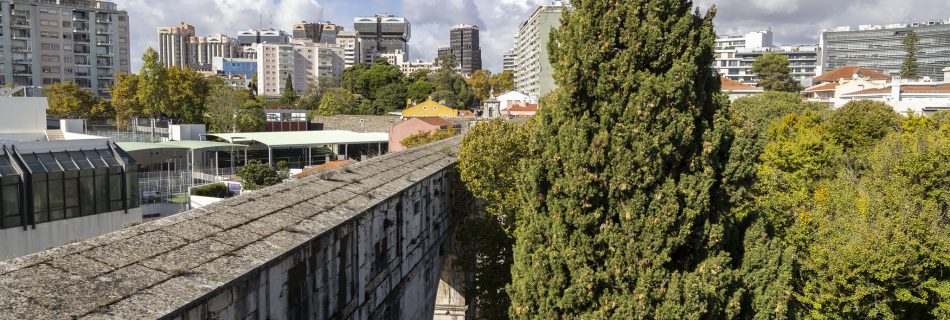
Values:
[(508, 61), (173, 48), (205, 49), (350, 41), (399, 60), (304, 63), (533, 73), (735, 55), (53, 41)]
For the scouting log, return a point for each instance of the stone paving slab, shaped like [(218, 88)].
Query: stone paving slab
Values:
[(148, 270)]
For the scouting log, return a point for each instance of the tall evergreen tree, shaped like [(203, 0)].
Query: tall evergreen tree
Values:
[(290, 95), (910, 68), (624, 212), (774, 74)]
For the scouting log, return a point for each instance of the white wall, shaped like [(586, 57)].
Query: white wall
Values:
[(183, 132), (21, 115), (18, 242)]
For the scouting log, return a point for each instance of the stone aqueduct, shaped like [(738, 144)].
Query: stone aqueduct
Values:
[(368, 241)]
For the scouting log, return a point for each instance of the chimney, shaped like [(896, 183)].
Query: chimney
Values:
[(896, 89)]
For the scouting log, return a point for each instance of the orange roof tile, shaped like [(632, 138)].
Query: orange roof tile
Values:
[(732, 85), (435, 121), (911, 88), (530, 107), (827, 86), (848, 72)]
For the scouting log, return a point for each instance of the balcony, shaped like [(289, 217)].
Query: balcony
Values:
[(81, 30), (103, 20), (22, 72), (104, 43), (103, 31), (21, 49), (21, 36), (22, 13), (22, 60), (25, 24)]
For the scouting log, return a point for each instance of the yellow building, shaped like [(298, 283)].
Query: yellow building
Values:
[(429, 108)]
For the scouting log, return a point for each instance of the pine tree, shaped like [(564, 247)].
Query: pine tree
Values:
[(774, 74), (289, 96), (910, 68), (624, 211)]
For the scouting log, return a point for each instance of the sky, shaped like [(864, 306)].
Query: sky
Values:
[(791, 21)]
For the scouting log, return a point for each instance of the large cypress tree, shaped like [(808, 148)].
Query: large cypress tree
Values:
[(624, 210)]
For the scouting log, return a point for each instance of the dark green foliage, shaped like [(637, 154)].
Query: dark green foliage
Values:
[(420, 90), (774, 74), (289, 97), (624, 215), (256, 175), (389, 98), (910, 69), (214, 190), (859, 124)]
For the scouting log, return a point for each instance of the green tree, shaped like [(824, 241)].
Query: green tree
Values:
[(446, 62), (388, 98), (256, 175), (624, 215), (910, 69), (338, 101), (289, 96), (426, 137), (503, 82), (859, 124), (68, 100), (420, 90), (251, 118), (488, 159), (152, 92), (774, 74), (311, 100), (124, 98), (447, 97), (481, 83), (232, 110), (188, 93)]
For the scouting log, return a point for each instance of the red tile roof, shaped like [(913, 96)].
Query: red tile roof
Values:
[(910, 88), (732, 85), (530, 107), (827, 86), (848, 72), (436, 121)]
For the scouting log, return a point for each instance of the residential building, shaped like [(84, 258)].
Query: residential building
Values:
[(414, 126), (248, 38), (534, 74), (399, 60), (173, 45), (53, 41), (508, 61), (511, 98), (736, 89), (205, 49), (316, 32), (237, 81), (831, 86), (59, 186), (304, 63), (350, 42), (382, 33), (880, 47), (735, 55), (280, 120), (908, 96), (464, 45), (429, 108), (231, 66), (521, 110)]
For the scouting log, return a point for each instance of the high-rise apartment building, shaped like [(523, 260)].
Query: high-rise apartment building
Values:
[(350, 42), (305, 63), (255, 36), (173, 48), (205, 49), (735, 55), (464, 44), (382, 33), (880, 47), (508, 61), (53, 41), (316, 32), (533, 73)]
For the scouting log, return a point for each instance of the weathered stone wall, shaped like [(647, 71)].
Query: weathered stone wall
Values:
[(365, 242), (356, 123)]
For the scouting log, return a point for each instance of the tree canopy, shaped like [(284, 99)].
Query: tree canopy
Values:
[(774, 74), (68, 100)]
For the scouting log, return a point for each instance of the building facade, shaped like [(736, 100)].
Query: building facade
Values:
[(173, 45), (304, 63), (54, 41), (382, 33), (534, 74), (735, 55), (316, 32), (229, 66), (508, 61), (206, 49), (350, 42), (399, 60), (464, 44), (880, 47)]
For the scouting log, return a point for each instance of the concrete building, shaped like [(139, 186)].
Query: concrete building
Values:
[(304, 63), (464, 45), (382, 33), (173, 45), (248, 38), (908, 96), (508, 61), (232, 66), (735, 55), (53, 41), (205, 49), (316, 32), (59, 186), (831, 86), (351, 47), (511, 98), (880, 47), (399, 59), (533, 73)]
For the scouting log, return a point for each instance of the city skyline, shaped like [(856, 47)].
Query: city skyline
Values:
[(793, 22)]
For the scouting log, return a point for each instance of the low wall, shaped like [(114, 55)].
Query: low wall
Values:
[(367, 241)]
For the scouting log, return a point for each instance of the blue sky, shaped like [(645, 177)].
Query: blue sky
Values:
[(792, 21)]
